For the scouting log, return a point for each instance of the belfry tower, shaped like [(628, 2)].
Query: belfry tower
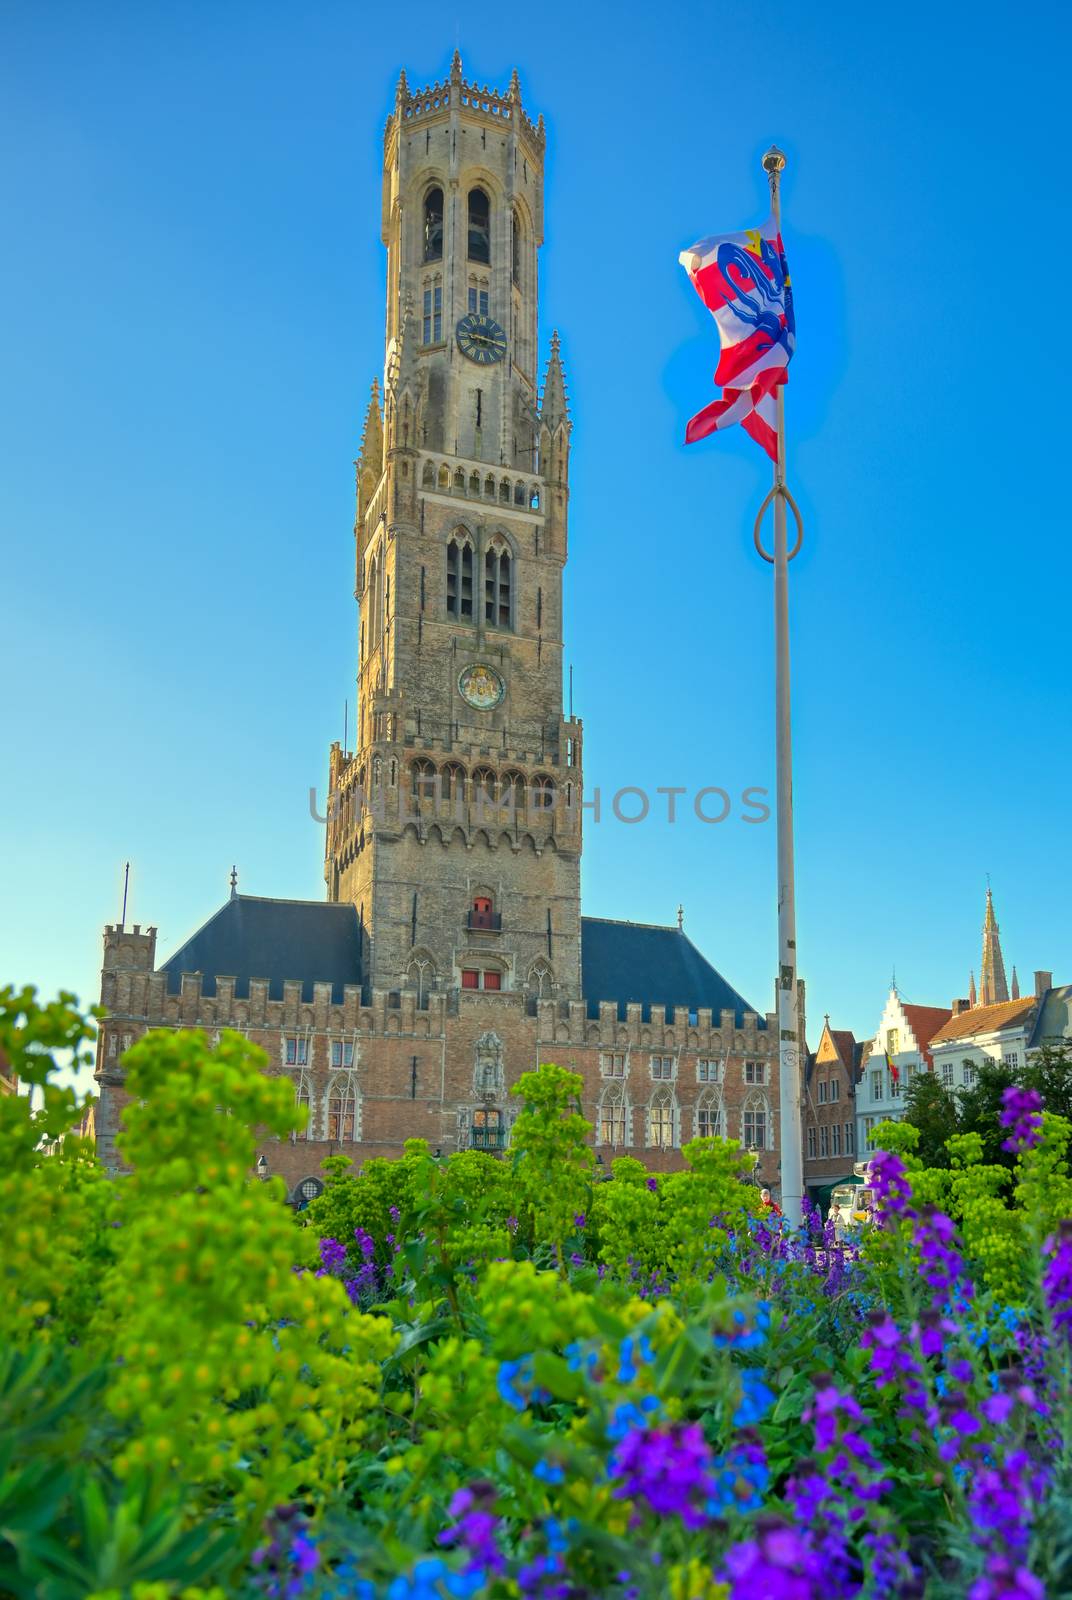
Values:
[(454, 824)]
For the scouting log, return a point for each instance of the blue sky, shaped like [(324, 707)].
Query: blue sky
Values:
[(193, 288)]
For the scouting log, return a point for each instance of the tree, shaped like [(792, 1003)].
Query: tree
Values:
[(979, 1110), (930, 1107)]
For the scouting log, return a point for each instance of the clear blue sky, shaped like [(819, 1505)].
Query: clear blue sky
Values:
[(192, 283)]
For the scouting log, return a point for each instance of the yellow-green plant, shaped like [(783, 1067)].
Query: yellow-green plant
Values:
[(553, 1160)]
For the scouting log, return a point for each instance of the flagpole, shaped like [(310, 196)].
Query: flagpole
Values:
[(789, 1044)]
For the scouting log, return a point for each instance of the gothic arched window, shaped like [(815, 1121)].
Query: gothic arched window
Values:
[(483, 790), (543, 793), (424, 779), (433, 225), (613, 1118), (515, 248), (460, 577), (375, 603), (709, 1117), (479, 226), (454, 783), (755, 1123), (662, 1114), (513, 790), (497, 585), (303, 1100), (344, 1120), (421, 973)]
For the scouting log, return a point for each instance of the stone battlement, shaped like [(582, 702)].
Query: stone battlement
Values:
[(436, 99)]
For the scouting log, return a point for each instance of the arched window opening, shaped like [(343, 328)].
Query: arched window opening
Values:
[(482, 912), (534, 500), (513, 791), (342, 1110), (454, 783), (543, 793), (519, 494), (460, 578), (613, 1118), (303, 1101), (421, 974), (504, 491), (515, 248), (375, 603), (489, 487), (755, 1123), (474, 483), (484, 787), (433, 226), (541, 980), (459, 478), (444, 477), (428, 476), (709, 1116), (497, 586), (479, 226), (661, 1117), (425, 779), (432, 312)]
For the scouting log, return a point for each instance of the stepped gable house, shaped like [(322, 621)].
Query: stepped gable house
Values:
[(450, 954)]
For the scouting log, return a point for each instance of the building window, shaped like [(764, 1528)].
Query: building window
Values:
[(1011, 1058), (478, 300), (613, 1115), (113, 1044), (479, 226), (475, 978), (835, 1139), (661, 1120), (835, 1090), (423, 779), (482, 914), (297, 1051), (488, 1131), (708, 1117), (823, 1143), (493, 980), (303, 1102), (342, 1110), (811, 1144), (611, 1065), (662, 1067), (755, 1072), (876, 1085), (947, 1074), (497, 585), (470, 979), (822, 1093), (969, 1074), (708, 1072), (515, 247), (342, 1053), (432, 322), (754, 1125), (895, 1085), (433, 226), (460, 578), (869, 1123), (893, 1041), (849, 1139)]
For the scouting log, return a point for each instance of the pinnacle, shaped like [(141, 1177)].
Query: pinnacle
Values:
[(403, 87), (456, 67), (514, 90)]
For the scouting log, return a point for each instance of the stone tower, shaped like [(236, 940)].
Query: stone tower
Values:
[(455, 823), (992, 986)]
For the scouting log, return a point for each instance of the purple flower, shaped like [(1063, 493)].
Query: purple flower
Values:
[(332, 1257), (580, 1220), (653, 1184), (1057, 1278), (669, 1469), (1004, 1580), (892, 1190), (778, 1561), (475, 1528), (940, 1263), (1022, 1113)]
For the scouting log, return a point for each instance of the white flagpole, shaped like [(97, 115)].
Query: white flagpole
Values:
[(789, 1045)]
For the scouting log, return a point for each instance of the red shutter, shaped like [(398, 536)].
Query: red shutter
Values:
[(470, 980)]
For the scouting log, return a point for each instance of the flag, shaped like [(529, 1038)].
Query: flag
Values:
[(743, 280), (895, 1071)]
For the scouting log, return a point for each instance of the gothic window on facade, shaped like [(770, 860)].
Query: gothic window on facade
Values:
[(296, 1050), (488, 1131), (543, 793), (342, 1052), (513, 791), (611, 1064), (303, 1101), (424, 779), (460, 578), (497, 585), (515, 248), (709, 1116), (479, 226), (432, 313), (662, 1115), (541, 980), (662, 1067), (755, 1072), (433, 226), (755, 1123), (343, 1118), (613, 1118), (421, 975), (484, 790)]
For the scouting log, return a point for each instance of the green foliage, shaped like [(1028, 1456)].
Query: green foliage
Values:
[(930, 1108), (553, 1160)]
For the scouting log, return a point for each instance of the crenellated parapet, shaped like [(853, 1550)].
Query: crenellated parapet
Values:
[(435, 100), (699, 1031)]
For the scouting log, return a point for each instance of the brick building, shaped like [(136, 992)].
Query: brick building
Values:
[(830, 1108), (450, 954)]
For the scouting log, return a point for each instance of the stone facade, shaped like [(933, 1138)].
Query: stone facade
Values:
[(454, 825)]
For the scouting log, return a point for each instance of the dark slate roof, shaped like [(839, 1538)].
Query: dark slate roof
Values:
[(635, 961), (1054, 1017), (250, 937)]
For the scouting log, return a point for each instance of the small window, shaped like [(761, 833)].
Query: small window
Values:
[(432, 322), (708, 1120), (876, 1085), (754, 1128), (478, 301), (822, 1093), (482, 915), (835, 1089), (612, 1116), (755, 1072), (423, 780), (835, 1139), (470, 978), (811, 1144), (488, 1132), (661, 1125), (515, 248), (479, 226), (850, 1140), (893, 1041), (708, 1072), (460, 578), (296, 1050), (969, 1074), (611, 1065), (342, 1053), (433, 226), (301, 1100), (493, 980), (497, 586), (662, 1067), (340, 1116), (1011, 1058), (823, 1143), (947, 1074)]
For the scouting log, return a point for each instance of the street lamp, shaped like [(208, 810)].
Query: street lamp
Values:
[(262, 1168)]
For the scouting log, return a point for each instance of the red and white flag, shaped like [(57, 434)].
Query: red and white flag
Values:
[(743, 280)]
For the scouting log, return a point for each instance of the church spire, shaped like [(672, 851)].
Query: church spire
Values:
[(973, 998), (554, 406), (992, 986), (1015, 995)]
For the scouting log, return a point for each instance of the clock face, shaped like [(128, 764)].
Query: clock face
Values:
[(481, 339), (481, 686)]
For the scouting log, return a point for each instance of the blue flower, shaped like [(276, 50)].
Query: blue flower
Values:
[(579, 1356), (510, 1377), (630, 1351), (756, 1400), (549, 1471), (426, 1578)]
